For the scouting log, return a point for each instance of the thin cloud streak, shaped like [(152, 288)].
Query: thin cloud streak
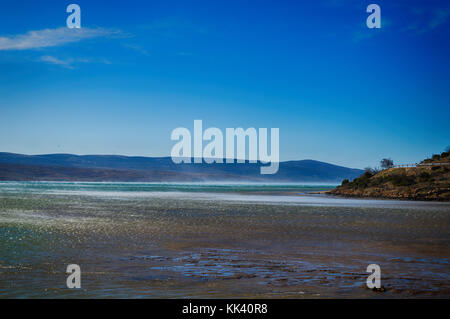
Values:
[(52, 37), (70, 62), (54, 60)]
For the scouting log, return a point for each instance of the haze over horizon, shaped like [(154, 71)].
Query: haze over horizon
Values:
[(339, 92)]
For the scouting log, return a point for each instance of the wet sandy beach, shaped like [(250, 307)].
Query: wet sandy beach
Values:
[(157, 244)]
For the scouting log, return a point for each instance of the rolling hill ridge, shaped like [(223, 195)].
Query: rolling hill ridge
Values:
[(69, 167)]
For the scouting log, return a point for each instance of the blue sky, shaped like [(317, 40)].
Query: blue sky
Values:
[(338, 91)]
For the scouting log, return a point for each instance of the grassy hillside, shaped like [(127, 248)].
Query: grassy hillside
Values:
[(418, 183)]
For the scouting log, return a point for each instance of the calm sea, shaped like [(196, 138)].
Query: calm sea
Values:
[(217, 240)]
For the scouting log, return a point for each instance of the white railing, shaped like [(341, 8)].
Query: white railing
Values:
[(420, 164)]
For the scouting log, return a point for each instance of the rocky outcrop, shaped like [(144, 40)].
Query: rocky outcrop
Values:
[(415, 183)]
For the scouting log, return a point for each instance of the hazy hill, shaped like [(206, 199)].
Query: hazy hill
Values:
[(68, 167)]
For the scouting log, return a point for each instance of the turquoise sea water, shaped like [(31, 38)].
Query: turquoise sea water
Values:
[(160, 187), (282, 194)]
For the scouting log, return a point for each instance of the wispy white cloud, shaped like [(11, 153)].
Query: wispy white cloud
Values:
[(52, 37), (70, 62), (405, 16), (54, 60), (438, 18), (426, 19), (420, 20), (136, 48)]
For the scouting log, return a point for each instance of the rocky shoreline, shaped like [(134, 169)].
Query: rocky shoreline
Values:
[(401, 194)]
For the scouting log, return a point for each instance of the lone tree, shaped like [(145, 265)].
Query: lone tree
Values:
[(386, 163)]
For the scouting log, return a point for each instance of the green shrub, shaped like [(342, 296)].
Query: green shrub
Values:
[(402, 180), (377, 181), (367, 175), (424, 176)]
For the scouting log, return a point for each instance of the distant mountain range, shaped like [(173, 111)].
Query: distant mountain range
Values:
[(68, 167)]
